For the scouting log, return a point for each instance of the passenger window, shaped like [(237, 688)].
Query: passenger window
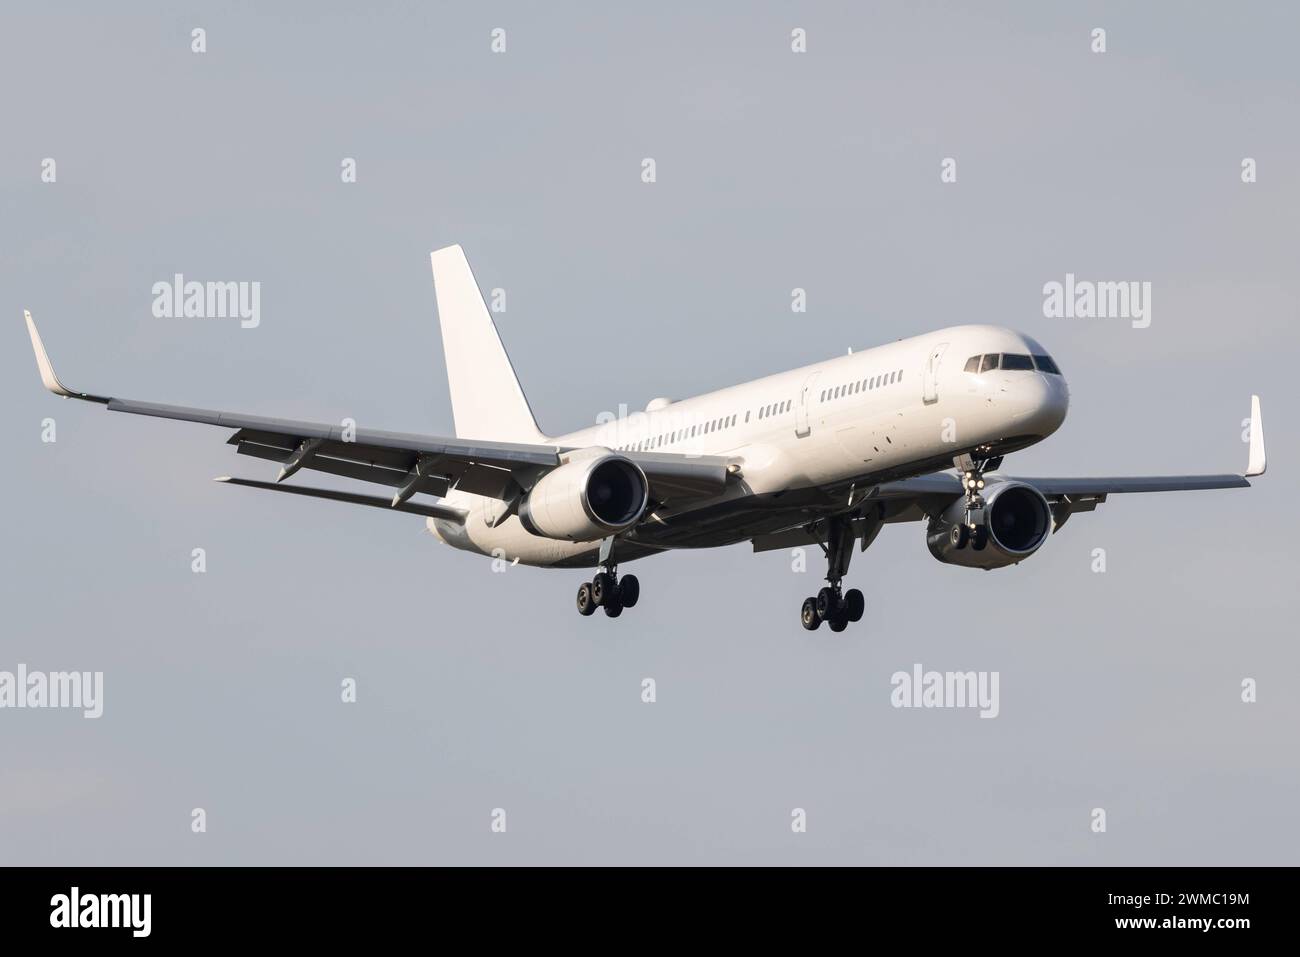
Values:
[(990, 362), (972, 364), (1017, 363), (900, 376)]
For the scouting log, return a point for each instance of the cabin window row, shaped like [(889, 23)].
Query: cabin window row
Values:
[(776, 408), (862, 385), (678, 435)]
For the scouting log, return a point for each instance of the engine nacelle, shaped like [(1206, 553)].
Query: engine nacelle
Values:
[(1018, 520), (587, 499)]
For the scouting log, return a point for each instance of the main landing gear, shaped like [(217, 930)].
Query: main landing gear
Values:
[(974, 531), (832, 605), (607, 590), (610, 592)]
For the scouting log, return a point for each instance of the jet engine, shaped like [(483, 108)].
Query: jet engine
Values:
[(1017, 520), (586, 499)]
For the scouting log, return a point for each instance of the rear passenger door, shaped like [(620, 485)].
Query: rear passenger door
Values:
[(802, 409)]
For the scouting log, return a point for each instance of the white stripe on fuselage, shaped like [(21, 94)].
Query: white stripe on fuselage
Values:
[(863, 432)]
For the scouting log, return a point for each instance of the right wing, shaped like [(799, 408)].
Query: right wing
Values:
[(407, 462)]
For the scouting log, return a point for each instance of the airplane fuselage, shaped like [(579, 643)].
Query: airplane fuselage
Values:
[(897, 410)]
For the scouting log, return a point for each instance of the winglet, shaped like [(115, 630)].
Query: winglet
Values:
[(1257, 462), (46, 368)]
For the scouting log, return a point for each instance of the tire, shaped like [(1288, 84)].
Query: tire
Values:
[(828, 603), (808, 614), (980, 538), (603, 589), (838, 624), (586, 604), (629, 591), (959, 536), (613, 609), (854, 605)]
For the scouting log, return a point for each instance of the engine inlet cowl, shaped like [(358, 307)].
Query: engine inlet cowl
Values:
[(1018, 521), (586, 500)]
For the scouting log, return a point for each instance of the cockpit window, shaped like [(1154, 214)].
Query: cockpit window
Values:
[(1045, 364), (1013, 361)]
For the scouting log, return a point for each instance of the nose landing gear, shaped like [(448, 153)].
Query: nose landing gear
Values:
[(832, 605), (974, 531)]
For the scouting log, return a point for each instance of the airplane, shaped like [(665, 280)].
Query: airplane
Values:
[(821, 456)]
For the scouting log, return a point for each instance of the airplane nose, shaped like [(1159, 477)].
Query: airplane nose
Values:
[(1044, 403)]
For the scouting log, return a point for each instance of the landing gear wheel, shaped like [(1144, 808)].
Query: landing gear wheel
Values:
[(959, 536), (828, 603), (808, 614), (613, 609), (629, 591), (603, 588), (854, 605), (979, 538), (838, 624), (586, 604)]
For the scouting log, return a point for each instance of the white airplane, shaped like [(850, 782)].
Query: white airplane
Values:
[(819, 456)]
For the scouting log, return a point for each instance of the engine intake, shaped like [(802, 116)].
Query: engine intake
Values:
[(586, 500), (1018, 522)]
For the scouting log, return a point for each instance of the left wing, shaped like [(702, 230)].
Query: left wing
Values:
[(917, 498), (1070, 495)]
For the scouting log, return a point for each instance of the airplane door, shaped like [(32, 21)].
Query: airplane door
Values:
[(930, 380), (802, 421)]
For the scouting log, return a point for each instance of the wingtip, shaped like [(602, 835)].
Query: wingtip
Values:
[(1258, 461), (43, 365), (222, 478)]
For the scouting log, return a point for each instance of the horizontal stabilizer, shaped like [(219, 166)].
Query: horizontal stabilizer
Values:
[(445, 512)]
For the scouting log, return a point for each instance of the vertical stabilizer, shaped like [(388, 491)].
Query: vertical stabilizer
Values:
[(486, 399)]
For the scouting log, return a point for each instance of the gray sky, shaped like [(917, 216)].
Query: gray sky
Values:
[(775, 170)]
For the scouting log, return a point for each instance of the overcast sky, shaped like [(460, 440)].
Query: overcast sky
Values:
[(775, 170)]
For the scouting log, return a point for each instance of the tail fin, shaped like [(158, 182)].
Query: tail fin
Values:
[(486, 400)]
